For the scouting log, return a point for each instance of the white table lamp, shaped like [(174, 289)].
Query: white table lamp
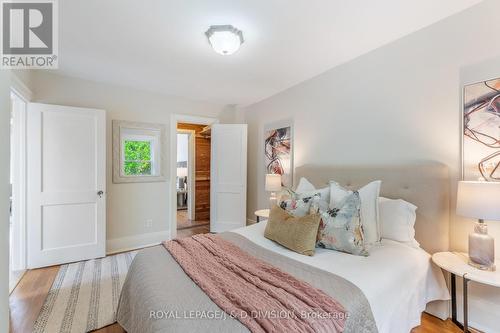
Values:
[(480, 200), (273, 185)]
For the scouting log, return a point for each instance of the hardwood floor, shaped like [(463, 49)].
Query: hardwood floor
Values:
[(431, 324), (184, 223), (28, 297), (193, 231)]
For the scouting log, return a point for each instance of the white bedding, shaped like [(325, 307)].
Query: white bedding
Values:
[(398, 280)]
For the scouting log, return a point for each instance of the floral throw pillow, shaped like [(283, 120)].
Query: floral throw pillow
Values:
[(299, 207), (340, 227)]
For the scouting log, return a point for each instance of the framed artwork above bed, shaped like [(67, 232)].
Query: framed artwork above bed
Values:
[(278, 150), (481, 131)]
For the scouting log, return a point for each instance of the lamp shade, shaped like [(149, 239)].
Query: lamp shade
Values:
[(273, 182), (480, 200)]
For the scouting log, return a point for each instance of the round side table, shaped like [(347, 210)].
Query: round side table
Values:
[(262, 213)]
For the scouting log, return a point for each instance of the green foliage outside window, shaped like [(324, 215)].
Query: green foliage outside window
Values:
[(137, 158)]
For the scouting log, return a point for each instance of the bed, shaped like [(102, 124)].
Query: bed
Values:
[(385, 292)]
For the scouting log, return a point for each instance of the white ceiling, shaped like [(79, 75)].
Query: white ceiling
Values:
[(159, 45)]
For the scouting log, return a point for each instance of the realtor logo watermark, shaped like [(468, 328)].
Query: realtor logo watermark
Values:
[(29, 34)]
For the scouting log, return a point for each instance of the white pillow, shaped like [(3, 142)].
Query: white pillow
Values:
[(305, 189), (369, 207), (397, 220)]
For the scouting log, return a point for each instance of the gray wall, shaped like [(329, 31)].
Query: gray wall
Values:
[(399, 103)]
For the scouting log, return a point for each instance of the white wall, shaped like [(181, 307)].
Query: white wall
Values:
[(128, 205), (182, 147), (23, 76), (4, 198), (231, 114), (399, 103)]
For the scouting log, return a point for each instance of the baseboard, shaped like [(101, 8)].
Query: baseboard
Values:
[(250, 221), (135, 242)]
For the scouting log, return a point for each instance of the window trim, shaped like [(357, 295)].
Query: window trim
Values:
[(135, 131)]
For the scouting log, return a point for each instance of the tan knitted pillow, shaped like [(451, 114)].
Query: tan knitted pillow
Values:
[(295, 233)]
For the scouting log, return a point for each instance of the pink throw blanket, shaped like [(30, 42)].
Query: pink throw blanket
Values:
[(259, 295)]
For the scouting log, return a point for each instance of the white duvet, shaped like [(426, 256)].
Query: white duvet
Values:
[(398, 280)]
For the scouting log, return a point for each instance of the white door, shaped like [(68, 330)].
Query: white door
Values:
[(66, 184), (228, 177)]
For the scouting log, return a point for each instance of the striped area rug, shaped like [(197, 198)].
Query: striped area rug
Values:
[(84, 295)]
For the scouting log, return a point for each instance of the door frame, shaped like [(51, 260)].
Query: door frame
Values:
[(174, 120), (19, 193), (24, 93), (191, 165)]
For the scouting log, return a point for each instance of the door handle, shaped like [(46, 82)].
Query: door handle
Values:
[(100, 193)]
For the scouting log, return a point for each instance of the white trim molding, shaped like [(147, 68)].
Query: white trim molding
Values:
[(18, 237), (135, 242)]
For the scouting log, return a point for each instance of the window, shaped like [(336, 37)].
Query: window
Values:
[(138, 158), (140, 152), (137, 152)]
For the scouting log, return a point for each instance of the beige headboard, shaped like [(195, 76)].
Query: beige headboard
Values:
[(426, 185)]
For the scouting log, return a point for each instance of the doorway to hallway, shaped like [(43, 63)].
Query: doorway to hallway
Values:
[(193, 179)]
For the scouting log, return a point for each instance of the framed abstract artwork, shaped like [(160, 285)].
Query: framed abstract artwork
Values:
[(278, 151), (481, 131)]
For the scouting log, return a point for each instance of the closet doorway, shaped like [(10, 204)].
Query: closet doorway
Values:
[(193, 179)]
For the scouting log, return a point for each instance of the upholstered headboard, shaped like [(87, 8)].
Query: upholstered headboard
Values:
[(426, 185)]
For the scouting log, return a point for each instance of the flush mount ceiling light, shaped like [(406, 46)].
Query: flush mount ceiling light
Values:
[(225, 39)]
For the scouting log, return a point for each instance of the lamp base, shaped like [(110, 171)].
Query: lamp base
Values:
[(273, 200), (490, 268), (481, 248)]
